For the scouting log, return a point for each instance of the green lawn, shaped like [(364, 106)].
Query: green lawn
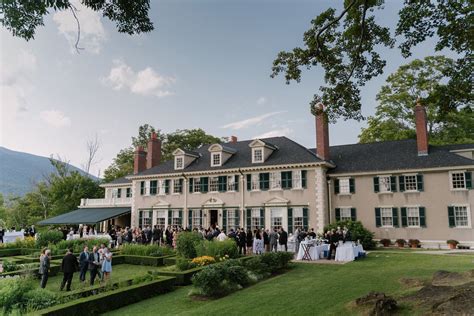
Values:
[(120, 273), (309, 289)]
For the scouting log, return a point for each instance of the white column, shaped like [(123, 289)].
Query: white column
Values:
[(134, 213), (321, 199)]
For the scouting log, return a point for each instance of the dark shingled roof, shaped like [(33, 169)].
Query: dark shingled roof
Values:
[(288, 152), (87, 216), (121, 180), (394, 155)]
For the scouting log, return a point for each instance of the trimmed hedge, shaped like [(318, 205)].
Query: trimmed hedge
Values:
[(53, 270), (8, 252), (181, 277), (108, 301), (143, 260), (169, 261)]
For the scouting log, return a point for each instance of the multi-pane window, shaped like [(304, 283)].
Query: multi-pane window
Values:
[(297, 217), (119, 193), (129, 192), (232, 220), (286, 180), (197, 185), (175, 220), (142, 188), (387, 216), (275, 180), (413, 217), (231, 183), (384, 184), (179, 163), (213, 184), (161, 219), (410, 183), (146, 218), (258, 155), (153, 187), (255, 182), (461, 216), (196, 219), (256, 219), (297, 183), (276, 218), (216, 159), (344, 186), (345, 213), (162, 187), (458, 180), (178, 186)]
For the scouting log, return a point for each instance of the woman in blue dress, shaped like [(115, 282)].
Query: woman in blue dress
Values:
[(107, 264)]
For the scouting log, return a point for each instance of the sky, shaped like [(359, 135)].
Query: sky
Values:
[(206, 65)]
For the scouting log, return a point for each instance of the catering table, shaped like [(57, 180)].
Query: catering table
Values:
[(313, 251), (348, 251), (13, 236)]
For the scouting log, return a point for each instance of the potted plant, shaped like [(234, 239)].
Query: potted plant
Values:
[(385, 242), (452, 243), (400, 243), (414, 243)]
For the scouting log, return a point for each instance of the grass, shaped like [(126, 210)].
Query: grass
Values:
[(310, 289), (121, 272)]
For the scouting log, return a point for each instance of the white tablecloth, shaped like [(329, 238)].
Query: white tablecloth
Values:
[(314, 251), (12, 236), (348, 252)]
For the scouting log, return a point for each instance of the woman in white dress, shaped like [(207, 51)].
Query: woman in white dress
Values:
[(258, 243)]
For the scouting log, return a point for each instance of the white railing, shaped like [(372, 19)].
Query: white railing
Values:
[(106, 202)]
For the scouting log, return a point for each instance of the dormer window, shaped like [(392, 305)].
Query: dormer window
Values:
[(179, 162), (216, 160), (257, 155)]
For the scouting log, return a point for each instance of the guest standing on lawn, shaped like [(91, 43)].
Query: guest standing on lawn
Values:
[(258, 243), (274, 240), (69, 265), (83, 263), (283, 238), (107, 264), (249, 241), (94, 264), (242, 241), (45, 261)]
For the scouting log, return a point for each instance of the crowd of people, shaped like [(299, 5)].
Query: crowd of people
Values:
[(334, 237), (98, 263)]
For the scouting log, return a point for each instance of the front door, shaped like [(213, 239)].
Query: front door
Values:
[(213, 217)]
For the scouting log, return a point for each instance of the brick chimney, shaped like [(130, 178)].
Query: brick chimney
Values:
[(421, 129), (139, 162), (322, 133), (233, 139), (153, 156)]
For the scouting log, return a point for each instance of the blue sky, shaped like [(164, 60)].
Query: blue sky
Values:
[(207, 64)]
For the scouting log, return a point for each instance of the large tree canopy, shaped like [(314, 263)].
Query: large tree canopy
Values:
[(187, 139), (346, 45), (450, 117)]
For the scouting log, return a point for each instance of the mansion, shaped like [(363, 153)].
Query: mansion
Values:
[(398, 189)]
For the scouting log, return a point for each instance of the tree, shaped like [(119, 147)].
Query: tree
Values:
[(348, 51), (188, 139), (93, 146), (22, 17), (420, 81)]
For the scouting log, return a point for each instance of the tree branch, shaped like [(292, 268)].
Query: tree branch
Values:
[(73, 10)]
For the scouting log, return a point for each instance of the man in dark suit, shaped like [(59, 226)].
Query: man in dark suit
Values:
[(242, 241), (69, 266), (283, 240), (83, 263), (157, 235), (94, 263), (333, 240)]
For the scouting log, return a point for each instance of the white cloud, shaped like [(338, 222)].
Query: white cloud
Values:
[(277, 132), (261, 101), (144, 82), (92, 31), (55, 118), (251, 121)]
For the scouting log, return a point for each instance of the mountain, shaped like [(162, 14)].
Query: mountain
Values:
[(20, 171)]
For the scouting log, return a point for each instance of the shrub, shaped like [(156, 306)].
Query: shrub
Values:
[(48, 237), (28, 242), (452, 242), (257, 267), (184, 264), (218, 249), (145, 250), (358, 232), (203, 261), (385, 242), (413, 242), (77, 245), (209, 280), (186, 244), (9, 266), (38, 298), (400, 242)]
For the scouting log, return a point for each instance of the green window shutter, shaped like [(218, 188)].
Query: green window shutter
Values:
[(393, 184), (140, 219), (451, 219), (401, 183), (170, 215), (419, 182), (167, 186), (468, 177), (200, 218), (352, 185), (353, 214), (304, 178), (204, 184), (376, 185), (249, 219), (153, 187), (236, 180), (181, 181), (191, 183), (403, 211), (237, 218), (305, 218), (222, 183), (290, 220), (338, 214), (249, 182), (264, 181), (224, 220), (180, 214), (119, 193), (378, 218), (422, 211), (336, 186), (395, 217), (262, 218), (142, 187), (190, 219)]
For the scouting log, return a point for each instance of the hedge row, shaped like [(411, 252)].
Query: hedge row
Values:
[(53, 270), (8, 252), (182, 277), (108, 301)]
